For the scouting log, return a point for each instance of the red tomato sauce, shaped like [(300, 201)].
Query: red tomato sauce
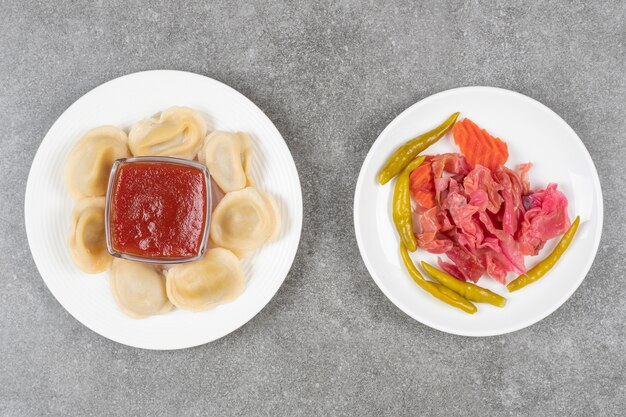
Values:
[(158, 210)]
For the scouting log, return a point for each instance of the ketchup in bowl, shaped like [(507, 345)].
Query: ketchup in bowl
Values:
[(158, 209)]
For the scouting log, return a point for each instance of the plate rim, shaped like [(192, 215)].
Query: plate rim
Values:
[(296, 221), (361, 181)]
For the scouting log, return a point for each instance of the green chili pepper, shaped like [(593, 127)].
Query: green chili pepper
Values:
[(457, 298), (544, 266), (435, 289), (405, 153), (402, 213), (468, 290)]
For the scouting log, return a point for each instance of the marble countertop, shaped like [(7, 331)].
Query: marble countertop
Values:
[(331, 76)]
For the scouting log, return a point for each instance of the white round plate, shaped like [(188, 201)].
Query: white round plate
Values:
[(534, 133), (122, 102)]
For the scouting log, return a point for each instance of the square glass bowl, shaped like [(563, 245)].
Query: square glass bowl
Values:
[(147, 226)]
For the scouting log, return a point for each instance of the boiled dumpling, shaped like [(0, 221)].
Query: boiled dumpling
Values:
[(215, 279), (138, 288), (178, 132), (87, 240), (89, 163), (244, 220), (227, 154)]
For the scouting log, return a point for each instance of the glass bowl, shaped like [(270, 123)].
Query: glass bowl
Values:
[(109, 201)]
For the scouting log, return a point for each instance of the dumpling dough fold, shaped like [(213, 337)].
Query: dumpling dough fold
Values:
[(177, 132), (138, 288), (89, 164), (87, 240), (244, 220), (215, 279), (227, 154)]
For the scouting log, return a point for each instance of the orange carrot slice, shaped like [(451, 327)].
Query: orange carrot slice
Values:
[(422, 186), (478, 146)]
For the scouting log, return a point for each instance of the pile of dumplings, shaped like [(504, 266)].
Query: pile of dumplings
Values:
[(244, 218)]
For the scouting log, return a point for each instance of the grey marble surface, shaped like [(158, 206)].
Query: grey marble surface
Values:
[(331, 75)]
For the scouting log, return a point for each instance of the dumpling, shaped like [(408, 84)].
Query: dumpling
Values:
[(138, 288), (227, 154), (244, 220), (215, 279), (87, 239), (89, 164), (178, 132)]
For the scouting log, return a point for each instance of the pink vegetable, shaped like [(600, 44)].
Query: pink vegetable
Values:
[(485, 221)]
